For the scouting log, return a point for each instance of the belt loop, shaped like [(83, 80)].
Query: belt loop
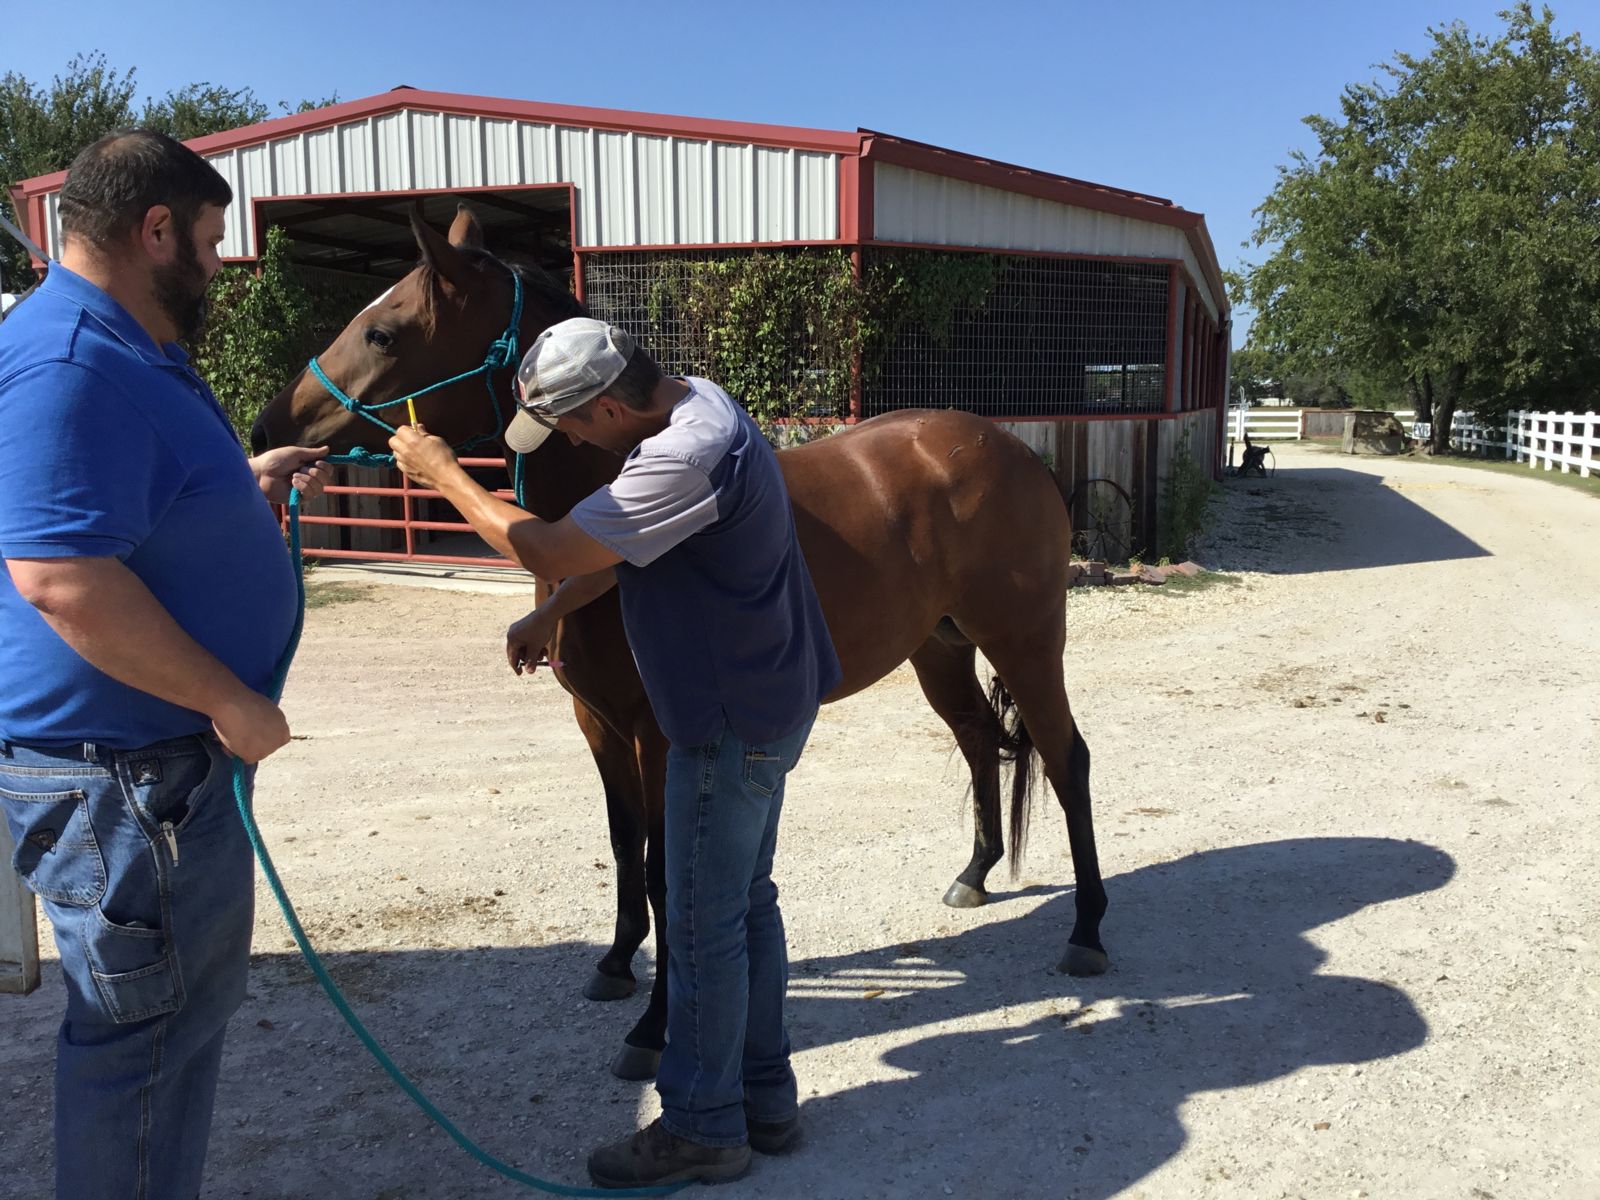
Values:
[(5, 748), (91, 753)]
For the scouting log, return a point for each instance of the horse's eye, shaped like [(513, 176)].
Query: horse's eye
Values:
[(378, 339)]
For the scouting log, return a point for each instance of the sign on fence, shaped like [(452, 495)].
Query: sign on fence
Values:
[(19, 931)]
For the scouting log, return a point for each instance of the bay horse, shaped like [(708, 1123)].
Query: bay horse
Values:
[(930, 535)]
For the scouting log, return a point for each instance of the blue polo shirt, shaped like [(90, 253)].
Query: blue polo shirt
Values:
[(112, 446)]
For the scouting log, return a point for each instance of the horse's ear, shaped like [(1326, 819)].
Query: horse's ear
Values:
[(437, 253), (465, 231)]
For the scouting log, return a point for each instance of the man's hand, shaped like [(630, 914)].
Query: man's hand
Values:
[(251, 726), (528, 640), (292, 467), (427, 459)]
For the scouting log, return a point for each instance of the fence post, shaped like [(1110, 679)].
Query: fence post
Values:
[(19, 934)]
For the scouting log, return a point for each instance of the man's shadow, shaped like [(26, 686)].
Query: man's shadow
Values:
[(1214, 985)]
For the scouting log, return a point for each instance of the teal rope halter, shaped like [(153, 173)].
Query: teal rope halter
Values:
[(502, 354)]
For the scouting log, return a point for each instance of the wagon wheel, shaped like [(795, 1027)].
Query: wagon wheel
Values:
[(1102, 521)]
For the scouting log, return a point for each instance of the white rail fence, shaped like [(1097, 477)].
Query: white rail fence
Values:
[(1266, 424), (1552, 441)]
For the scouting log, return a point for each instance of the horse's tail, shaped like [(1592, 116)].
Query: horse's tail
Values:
[(1016, 747)]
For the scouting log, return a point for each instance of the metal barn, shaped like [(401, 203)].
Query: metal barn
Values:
[(1100, 337)]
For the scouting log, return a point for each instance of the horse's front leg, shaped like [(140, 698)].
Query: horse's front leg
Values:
[(619, 774), (641, 1051)]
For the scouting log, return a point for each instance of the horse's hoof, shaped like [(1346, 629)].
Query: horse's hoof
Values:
[(963, 895), (635, 1063), (1081, 960), (608, 987)]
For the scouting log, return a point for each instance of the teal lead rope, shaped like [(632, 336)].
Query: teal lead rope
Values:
[(242, 797)]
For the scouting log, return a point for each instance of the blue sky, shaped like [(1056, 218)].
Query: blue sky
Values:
[(1198, 102)]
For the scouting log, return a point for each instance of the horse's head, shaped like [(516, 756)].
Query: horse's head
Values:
[(437, 322)]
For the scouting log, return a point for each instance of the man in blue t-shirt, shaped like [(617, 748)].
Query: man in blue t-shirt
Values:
[(145, 601), (698, 536)]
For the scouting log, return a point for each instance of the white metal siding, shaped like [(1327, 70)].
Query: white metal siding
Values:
[(633, 189), (915, 206)]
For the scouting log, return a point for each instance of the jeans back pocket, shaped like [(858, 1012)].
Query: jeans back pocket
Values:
[(57, 854)]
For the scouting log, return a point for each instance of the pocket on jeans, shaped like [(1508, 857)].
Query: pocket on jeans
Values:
[(56, 854), (133, 970), (763, 772), (172, 788)]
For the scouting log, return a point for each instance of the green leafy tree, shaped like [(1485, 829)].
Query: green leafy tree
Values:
[(1441, 242), (1256, 372), (43, 128), (201, 108)]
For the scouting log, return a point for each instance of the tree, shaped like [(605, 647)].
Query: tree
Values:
[(1443, 237), (201, 108), (1254, 371), (42, 129)]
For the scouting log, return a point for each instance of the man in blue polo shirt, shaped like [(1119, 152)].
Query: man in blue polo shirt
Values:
[(698, 536), (146, 598)]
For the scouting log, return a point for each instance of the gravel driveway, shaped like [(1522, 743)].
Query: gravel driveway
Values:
[(1345, 804)]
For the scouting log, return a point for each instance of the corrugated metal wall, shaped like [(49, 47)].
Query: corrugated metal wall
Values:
[(915, 206), (633, 189)]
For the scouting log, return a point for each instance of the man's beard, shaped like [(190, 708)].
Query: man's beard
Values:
[(181, 290)]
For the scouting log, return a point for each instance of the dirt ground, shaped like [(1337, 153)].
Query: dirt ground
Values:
[(1345, 804)]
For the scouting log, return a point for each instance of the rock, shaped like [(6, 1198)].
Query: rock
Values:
[(1156, 575), (1187, 569), (1123, 578)]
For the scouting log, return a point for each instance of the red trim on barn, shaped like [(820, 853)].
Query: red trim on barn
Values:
[(620, 120), (859, 150), (1172, 337), (905, 151)]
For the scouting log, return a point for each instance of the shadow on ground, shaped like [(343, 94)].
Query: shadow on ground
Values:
[(1069, 1088), (1303, 520)]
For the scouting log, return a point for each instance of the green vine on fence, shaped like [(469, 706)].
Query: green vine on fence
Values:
[(785, 330), (1186, 501), (926, 290)]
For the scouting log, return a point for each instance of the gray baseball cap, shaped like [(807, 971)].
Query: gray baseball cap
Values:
[(570, 364)]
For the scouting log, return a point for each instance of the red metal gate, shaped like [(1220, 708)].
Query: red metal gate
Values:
[(410, 530)]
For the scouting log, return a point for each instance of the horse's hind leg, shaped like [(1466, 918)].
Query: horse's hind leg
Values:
[(1031, 668), (641, 1051), (619, 774), (945, 669)]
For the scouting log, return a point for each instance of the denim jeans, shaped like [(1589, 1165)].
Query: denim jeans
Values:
[(144, 869), (727, 1048)]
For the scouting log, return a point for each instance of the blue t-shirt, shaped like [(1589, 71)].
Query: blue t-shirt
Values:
[(114, 447), (720, 609)]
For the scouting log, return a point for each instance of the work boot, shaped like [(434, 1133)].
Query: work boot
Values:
[(655, 1155), (773, 1137)]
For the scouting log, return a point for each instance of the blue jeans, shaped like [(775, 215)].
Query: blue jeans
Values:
[(727, 1049), (144, 869)]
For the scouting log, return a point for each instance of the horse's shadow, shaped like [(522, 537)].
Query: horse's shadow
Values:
[(1214, 986)]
